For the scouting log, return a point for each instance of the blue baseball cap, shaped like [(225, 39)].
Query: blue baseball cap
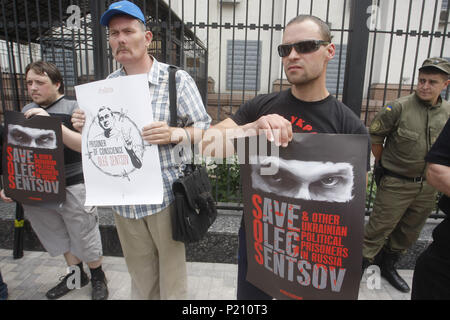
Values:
[(121, 7)]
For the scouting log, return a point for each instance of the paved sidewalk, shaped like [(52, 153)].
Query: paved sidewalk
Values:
[(30, 277)]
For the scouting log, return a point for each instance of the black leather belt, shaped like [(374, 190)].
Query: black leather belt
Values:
[(396, 175)]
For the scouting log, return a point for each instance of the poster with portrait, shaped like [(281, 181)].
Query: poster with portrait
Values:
[(304, 216), (33, 161), (120, 168)]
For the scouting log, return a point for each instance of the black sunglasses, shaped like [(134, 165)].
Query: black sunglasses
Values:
[(306, 46)]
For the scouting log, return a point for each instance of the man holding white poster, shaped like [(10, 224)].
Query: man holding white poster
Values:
[(157, 263)]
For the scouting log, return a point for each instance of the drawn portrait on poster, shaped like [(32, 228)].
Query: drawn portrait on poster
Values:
[(116, 159), (304, 221), (114, 143), (34, 159)]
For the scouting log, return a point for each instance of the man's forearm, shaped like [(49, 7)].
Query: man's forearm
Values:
[(71, 139), (439, 177), (212, 142), (217, 141)]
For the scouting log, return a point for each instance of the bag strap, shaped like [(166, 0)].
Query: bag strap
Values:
[(173, 95), (173, 102)]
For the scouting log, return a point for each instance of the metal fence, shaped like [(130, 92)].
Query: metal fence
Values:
[(68, 34), (228, 46), (405, 43)]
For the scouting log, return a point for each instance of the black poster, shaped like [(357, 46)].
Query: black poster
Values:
[(33, 159), (304, 216)]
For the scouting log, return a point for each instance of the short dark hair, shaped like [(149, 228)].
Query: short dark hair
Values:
[(49, 69), (324, 28)]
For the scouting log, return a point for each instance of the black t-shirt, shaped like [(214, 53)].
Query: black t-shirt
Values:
[(440, 154), (325, 116)]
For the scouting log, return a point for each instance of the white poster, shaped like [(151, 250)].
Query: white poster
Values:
[(120, 168)]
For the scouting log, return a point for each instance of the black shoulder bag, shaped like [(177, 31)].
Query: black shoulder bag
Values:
[(195, 207)]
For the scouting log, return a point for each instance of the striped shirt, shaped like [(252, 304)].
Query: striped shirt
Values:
[(191, 113)]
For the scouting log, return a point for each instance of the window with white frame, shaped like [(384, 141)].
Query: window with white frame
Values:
[(243, 65)]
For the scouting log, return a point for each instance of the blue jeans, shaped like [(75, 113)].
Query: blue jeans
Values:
[(3, 289), (246, 290)]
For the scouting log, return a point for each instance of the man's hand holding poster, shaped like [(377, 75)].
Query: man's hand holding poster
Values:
[(304, 216), (33, 159), (115, 157)]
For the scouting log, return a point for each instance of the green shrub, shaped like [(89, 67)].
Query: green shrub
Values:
[(225, 180)]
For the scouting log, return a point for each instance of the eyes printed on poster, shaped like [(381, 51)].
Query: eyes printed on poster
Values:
[(31, 137), (114, 143), (307, 180)]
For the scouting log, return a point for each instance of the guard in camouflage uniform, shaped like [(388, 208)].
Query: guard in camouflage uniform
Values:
[(402, 134)]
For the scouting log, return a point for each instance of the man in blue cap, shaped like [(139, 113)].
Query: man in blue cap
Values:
[(157, 263)]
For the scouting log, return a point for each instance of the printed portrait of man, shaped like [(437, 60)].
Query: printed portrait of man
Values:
[(106, 120), (31, 137), (117, 134), (307, 180)]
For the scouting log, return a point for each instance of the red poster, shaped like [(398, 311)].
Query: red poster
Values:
[(33, 159), (304, 216)]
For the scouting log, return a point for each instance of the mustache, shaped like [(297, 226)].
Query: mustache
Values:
[(120, 48)]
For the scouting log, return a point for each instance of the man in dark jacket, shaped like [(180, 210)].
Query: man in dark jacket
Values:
[(431, 280)]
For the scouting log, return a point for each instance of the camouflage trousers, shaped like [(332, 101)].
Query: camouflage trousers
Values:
[(400, 211)]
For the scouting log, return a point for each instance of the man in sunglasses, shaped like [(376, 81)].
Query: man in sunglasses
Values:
[(305, 107), (402, 133)]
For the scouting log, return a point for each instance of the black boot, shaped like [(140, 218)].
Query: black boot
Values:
[(389, 272), (62, 288), (365, 264), (3, 289), (99, 284), (369, 262), (378, 258)]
